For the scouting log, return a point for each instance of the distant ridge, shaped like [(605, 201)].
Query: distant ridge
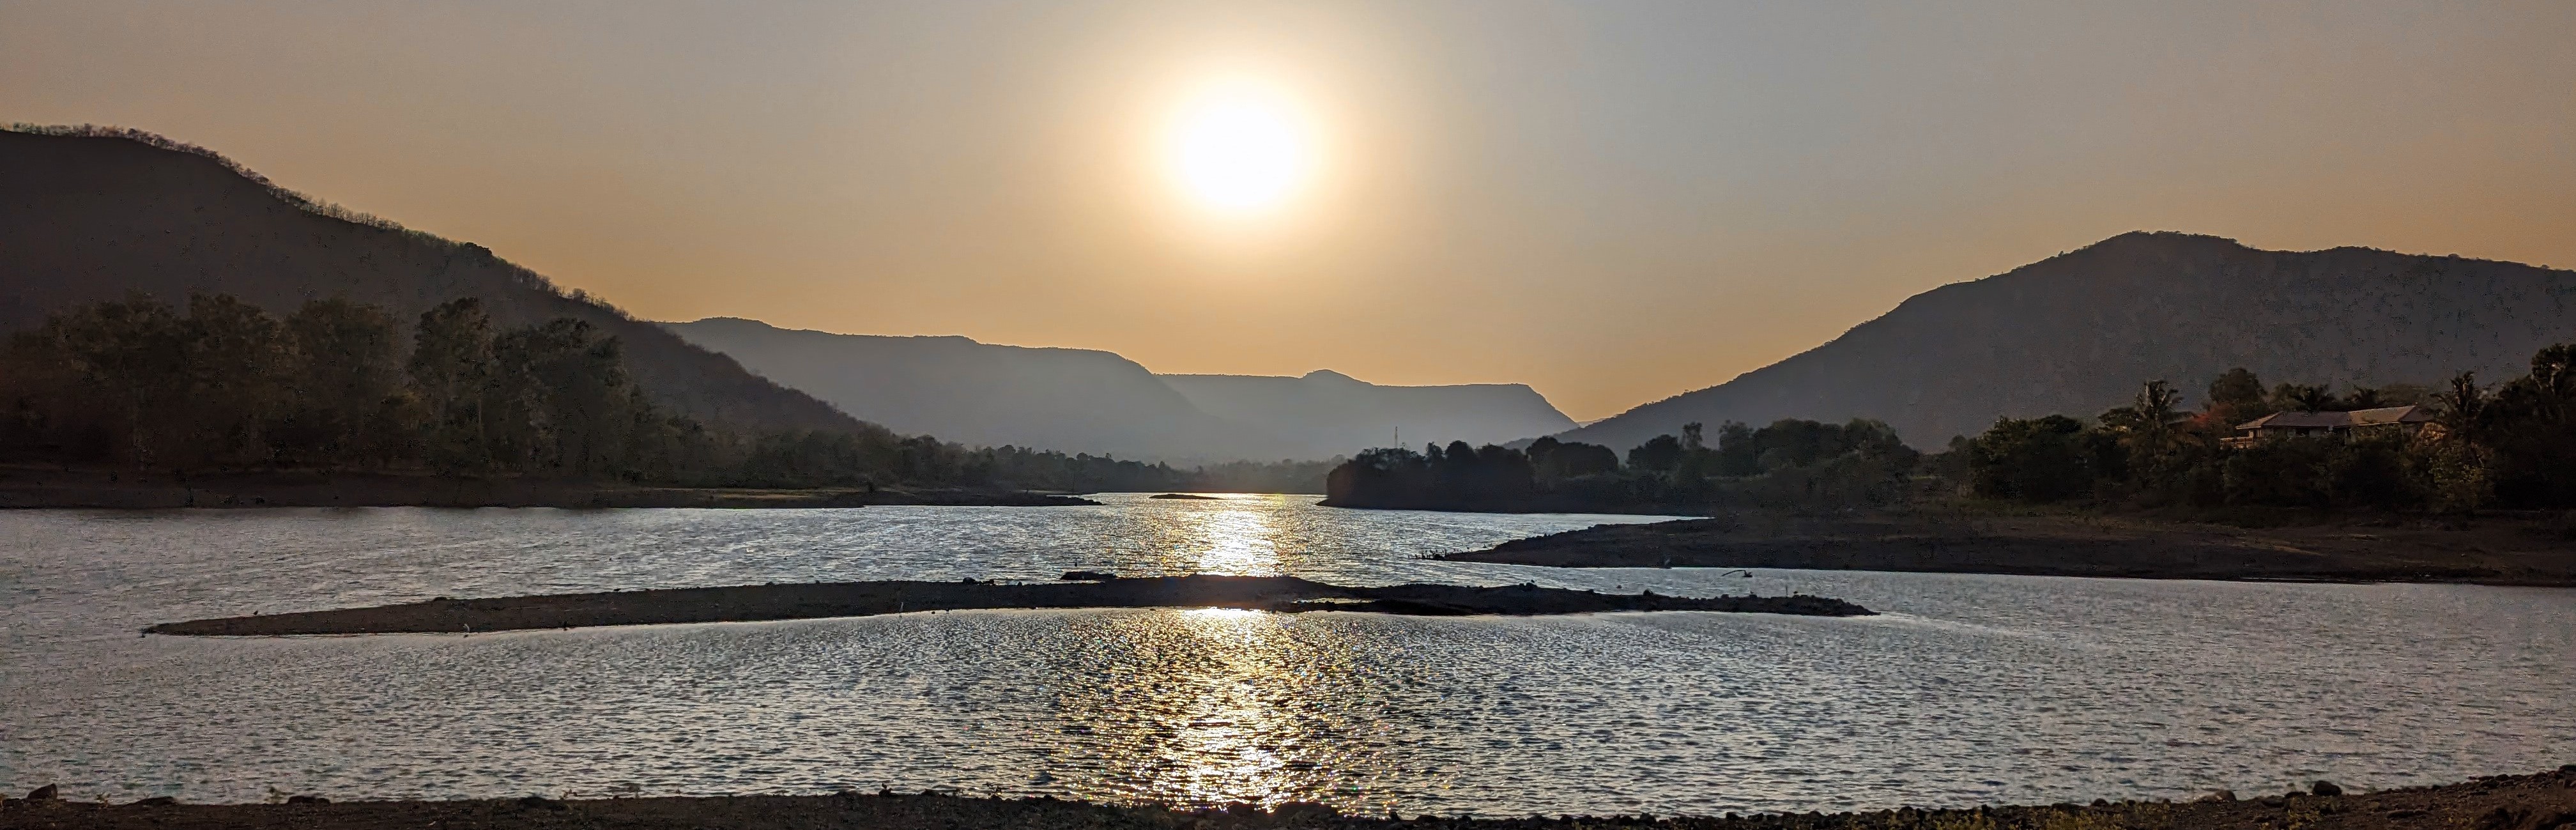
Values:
[(2076, 333), (1072, 400), (1080, 400), (92, 214), (1325, 409)]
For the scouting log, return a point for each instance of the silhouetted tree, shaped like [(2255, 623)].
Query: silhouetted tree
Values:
[(452, 371), (2237, 397), (1659, 454), (2461, 407), (350, 404), (2303, 397), (2040, 459)]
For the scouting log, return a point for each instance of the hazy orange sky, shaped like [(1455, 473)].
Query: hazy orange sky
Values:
[(1612, 202)]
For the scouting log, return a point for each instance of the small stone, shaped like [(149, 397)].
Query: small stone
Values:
[(2327, 788), (2220, 795), (44, 793), (307, 799), (157, 801)]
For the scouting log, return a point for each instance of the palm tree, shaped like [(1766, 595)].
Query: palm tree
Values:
[(2461, 407), (2308, 398)]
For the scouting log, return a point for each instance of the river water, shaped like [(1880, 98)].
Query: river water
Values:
[(1969, 689)]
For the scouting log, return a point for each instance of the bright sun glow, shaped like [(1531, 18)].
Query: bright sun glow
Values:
[(1239, 149)]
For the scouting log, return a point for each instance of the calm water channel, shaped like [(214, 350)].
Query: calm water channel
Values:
[(1969, 689)]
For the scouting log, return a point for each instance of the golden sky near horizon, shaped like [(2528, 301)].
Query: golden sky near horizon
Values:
[(1613, 202)]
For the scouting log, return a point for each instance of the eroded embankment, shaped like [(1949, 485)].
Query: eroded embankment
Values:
[(2519, 802), (745, 603)]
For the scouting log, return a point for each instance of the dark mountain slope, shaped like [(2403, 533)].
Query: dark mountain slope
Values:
[(90, 218), (2076, 333)]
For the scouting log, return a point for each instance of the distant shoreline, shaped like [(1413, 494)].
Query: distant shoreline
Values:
[(2496, 551), (36, 488), (2504, 801)]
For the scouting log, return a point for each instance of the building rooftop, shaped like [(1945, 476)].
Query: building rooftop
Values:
[(2381, 416)]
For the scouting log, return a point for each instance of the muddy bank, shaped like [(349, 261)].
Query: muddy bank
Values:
[(2504, 552), (744, 603), (1552, 503), (2546, 801), (124, 489)]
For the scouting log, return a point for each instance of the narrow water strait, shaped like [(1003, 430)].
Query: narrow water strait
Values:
[(1968, 689)]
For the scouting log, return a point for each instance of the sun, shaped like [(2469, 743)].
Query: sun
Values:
[(1239, 149)]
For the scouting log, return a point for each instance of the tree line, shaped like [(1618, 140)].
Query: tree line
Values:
[(337, 385), (2511, 444), (1790, 464)]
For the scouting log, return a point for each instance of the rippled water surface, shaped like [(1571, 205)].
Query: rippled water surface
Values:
[(1969, 689)]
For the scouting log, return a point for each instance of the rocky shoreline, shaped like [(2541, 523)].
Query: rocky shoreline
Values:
[(29, 488), (747, 603), (2545, 801), (2495, 551)]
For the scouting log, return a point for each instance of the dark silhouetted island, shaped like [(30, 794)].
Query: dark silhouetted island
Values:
[(2495, 550), (857, 599)]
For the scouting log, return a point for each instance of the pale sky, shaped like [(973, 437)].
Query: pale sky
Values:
[(1613, 202)]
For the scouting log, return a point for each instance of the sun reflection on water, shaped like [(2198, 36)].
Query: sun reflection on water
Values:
[(1229, 748), (1214, 706), (1239, 543)]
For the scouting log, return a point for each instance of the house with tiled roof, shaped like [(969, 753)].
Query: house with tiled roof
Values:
[(2357, 423)]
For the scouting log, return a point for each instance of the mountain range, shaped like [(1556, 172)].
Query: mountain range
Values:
[(2077, 333), (1081, 400), (91, 214), (94, 214)]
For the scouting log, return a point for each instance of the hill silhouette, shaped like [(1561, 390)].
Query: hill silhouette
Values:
[(1329, 412), (1079, 400), (95, 215), (1072, 400), (2079, 331)]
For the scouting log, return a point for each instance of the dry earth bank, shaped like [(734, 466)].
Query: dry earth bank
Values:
[(2546, 801)]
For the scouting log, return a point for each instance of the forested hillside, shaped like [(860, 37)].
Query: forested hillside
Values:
[(96, 215), (2076, 333), (165, 309)]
